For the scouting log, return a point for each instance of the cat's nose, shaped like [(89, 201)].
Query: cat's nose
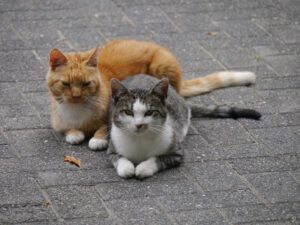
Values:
[(138, 126), (76, 95)]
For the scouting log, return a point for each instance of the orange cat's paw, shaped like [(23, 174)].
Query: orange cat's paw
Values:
[(98, 144), (75, 137)]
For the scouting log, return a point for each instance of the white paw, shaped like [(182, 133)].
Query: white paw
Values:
[(75, 138), (125, 168), (146, 168), (97, 144)]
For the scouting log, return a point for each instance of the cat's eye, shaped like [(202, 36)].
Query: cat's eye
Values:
[(66, 84), (150, 112), (85, 84), (128, 112)]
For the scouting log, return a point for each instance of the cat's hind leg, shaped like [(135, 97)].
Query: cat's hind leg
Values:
[(99, 140), (74, 136)]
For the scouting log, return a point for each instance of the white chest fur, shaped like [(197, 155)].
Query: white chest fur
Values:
[(74, 114), (140, 148)]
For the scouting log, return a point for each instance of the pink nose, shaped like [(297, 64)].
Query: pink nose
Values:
[(138, 126)]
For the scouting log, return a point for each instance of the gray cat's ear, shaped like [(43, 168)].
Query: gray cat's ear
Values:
[(117, 89), (161, 88), (93, 60), (57, 59)]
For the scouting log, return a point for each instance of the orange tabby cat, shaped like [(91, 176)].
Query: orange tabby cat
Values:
[(80, 83)]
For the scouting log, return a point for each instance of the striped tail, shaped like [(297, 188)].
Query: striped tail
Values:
[(216, 80), (223, 111)]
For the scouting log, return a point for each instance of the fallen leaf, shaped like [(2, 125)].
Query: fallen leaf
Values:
[(258, 57), (212, 33), (72, 159), (46, 203)]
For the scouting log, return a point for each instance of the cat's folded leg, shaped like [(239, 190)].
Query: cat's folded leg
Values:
[(124, 167), (74, 136), (99, 141), (154, 164)]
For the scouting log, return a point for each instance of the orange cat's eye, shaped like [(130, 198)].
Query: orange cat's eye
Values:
[(66, 84), (86, 84)]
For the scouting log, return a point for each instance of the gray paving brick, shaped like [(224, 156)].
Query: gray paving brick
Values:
[(9, 94), (287, 33), (6, 151), (276, 187), (280, 139), (185, 202), (142, 211), (41, 101), (200, 216), (77, 201), (27, 213), (284, 64), (266, 164), (33, 86), (26, 122), (287, 211), (135, 188), (234, 198), (34, 142), (214, 130), (250, 214)]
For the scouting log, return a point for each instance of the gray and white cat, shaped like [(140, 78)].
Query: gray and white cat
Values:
[(147, 125)]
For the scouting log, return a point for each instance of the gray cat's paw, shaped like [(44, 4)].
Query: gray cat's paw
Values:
[(125, 168), (97, 144), (146, 168), (75, 137)]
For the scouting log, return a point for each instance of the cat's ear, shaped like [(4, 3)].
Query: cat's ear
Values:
[(117, 89), (57, 59), (161, 88), (93, 60)]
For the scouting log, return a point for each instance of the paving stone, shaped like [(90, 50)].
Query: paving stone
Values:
[(291, 82), (287, 211), (80, 177), (142, 211), (285, 65), (33, 86), (287, 33), (77, 201), (214, 131), (234, 198), (26, 213), (200, 216), (273, 120), (200, 68), (41, 101), (6, 151), (15, 111), (185, 202), (135, 188), (104, 7), (10, 41), (280, 139), (26, 122), (275, 187), (34, 142), (9, 94), (266, 164), (251, 214)]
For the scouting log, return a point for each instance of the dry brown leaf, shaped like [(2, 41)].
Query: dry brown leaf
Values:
[(212, 33), (72, 159)]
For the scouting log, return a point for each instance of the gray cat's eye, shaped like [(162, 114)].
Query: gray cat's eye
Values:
[(128, 112), (149, 113)]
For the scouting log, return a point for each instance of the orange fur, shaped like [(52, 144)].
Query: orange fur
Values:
[(119, 59)]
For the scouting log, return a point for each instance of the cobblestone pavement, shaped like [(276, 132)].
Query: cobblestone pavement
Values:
[(235, 171)]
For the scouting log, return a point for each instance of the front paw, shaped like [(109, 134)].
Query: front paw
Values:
[(75, 137), (97, 144), (125, 168), (146, 168)]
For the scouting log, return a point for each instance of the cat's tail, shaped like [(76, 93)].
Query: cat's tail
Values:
[(223, 111), (215, 80)]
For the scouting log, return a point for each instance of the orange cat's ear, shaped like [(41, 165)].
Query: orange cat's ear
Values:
[(57, 59), (93, 60)]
